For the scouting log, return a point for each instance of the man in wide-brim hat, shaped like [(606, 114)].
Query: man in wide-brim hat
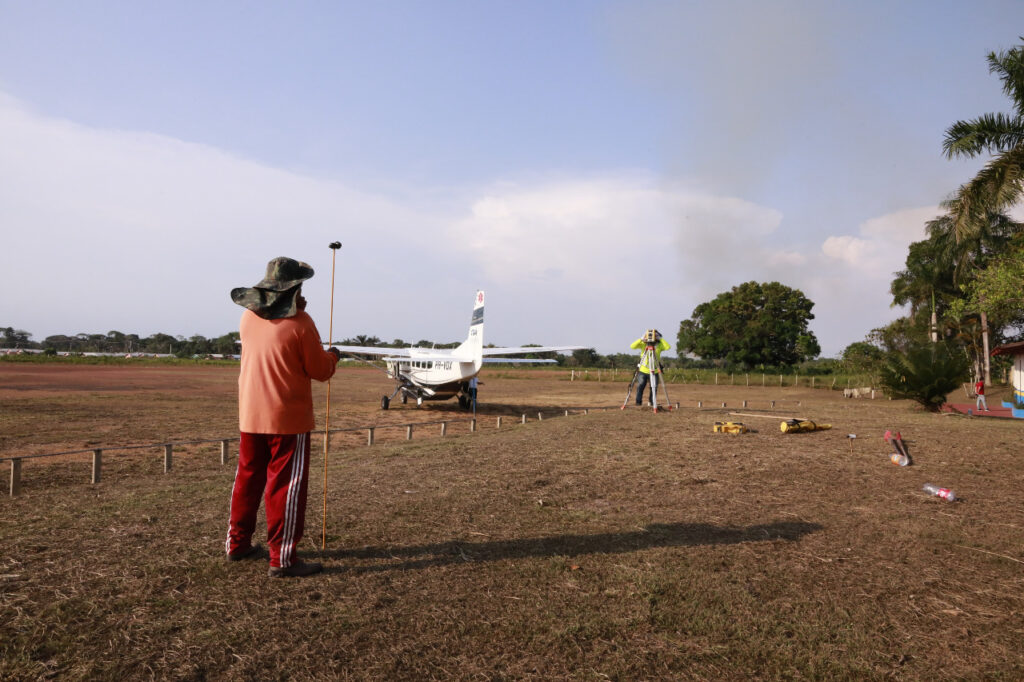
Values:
[(281, 354)]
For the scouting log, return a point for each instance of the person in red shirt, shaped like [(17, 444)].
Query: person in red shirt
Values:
[(979, 390), (281, 354)]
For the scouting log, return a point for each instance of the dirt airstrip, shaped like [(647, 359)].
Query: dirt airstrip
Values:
[(612, 545)]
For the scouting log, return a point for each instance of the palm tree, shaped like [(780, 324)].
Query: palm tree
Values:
[(960, 257), (928, 275), (1000, 183)]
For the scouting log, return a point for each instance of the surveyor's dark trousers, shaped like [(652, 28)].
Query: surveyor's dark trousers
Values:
[(644, 380)]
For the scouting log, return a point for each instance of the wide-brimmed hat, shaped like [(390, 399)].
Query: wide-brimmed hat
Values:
[(273, 297)]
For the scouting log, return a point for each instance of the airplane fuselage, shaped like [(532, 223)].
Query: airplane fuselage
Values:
[(437, 379)]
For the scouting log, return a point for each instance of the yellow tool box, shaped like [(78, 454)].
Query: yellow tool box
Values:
[(730, 427)]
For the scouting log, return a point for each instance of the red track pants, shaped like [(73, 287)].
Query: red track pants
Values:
[(277, 467)]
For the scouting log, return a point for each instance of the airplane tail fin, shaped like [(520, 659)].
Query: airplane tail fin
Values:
[(473, 346)]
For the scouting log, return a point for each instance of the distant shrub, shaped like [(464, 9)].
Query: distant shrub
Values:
[(925, 374)]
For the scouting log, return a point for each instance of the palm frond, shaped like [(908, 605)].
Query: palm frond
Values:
[(998, 185), (991, 133), (1010, 67)]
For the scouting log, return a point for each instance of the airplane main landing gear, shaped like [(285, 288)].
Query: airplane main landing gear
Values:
[(385, 402), (464, 402)]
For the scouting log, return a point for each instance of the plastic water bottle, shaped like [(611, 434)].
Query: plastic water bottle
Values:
[(944, 493)]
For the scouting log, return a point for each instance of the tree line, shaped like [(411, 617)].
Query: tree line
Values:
[(119, 342)]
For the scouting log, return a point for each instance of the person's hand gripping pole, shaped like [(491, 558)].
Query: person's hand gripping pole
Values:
[(334, 246)]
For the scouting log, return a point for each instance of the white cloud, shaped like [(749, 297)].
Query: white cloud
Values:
[(607, 232), (881, 248)]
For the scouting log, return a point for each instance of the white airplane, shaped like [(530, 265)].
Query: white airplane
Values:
[(439, 374)]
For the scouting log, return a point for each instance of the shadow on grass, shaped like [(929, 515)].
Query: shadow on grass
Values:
[(654, 535)]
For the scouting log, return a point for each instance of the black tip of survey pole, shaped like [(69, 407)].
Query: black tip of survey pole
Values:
[(335, 245)]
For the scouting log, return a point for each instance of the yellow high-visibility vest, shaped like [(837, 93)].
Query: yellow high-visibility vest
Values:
[(660, 346)]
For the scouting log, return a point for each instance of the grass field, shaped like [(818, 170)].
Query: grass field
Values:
[(617, 545)]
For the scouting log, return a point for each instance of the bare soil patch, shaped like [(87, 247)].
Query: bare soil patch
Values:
[(614, 545)]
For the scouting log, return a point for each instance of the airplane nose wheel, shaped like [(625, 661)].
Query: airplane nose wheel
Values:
[(405, 397), (385, 402)]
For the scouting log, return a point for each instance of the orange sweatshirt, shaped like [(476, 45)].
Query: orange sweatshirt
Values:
[(279, 360)]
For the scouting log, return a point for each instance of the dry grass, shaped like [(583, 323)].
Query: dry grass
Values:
[(617, 545)]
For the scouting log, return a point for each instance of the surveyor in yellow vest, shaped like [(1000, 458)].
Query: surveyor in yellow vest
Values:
[(650, 338)]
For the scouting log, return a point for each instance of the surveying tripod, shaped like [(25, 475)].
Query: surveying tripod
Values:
[(649, 359)]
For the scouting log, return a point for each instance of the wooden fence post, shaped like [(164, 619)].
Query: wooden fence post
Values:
[(168, 456), (540, 416), (524, 418), (499, 423), (408, 432), (15, 476), (369, 436), (224, 452), (444, 429), (472, 425), (97, 465)]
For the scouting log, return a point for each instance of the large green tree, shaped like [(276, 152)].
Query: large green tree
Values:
[(752, 325), (998, 290)]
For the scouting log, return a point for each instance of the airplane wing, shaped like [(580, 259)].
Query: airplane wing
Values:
[(512, 361), (374, 350), (523, 350), (392, 354)]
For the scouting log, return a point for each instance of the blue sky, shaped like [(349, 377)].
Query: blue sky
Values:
[(598, 167)]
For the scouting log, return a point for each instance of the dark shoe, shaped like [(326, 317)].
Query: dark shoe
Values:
[(251, 553), (296, 570)]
